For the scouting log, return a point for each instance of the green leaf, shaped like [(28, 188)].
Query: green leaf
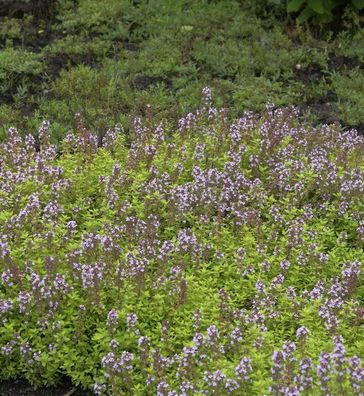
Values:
[(100, 335), (307, 13), (186, 28), (294, 5), (359, 4), (317, 6)]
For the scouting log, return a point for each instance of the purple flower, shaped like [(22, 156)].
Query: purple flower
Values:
[(109, 139), (196, 320), (317, 291), (199, 152), (302, 333), (231, 385), (356, 372), (323, 371), (277, 281), (30, 143), (288, 348), (144, 342), (8, 348), (187, 387), (60, 284), (207, 96), (214, 379), (198, 340), (291, 293), (338, 358), (99, 389), (114, 344), (72, 226), (236, 336), (278, 365), (5, 306), (244, 369), (131, 322), (23, 299), (4, 249), (212, 335), (304, 380), (52, 211), (162, 389), (259, 286), (285, 264), (113, 318), (126, 359)]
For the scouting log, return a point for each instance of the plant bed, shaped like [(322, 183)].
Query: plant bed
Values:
[(23, 388), (214, 257)]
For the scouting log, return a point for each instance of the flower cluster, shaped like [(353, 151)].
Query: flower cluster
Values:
[(215, 258)]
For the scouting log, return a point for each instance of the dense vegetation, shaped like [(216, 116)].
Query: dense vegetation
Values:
[(63, 57), (215, 254), (212, 258), (319, 11)]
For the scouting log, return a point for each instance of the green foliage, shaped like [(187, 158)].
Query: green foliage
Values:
[(319, 11), (14, 62), (10, 29), (262, 190), (109, 62), (349, 90)]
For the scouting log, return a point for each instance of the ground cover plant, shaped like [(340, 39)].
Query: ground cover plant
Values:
[(62, 57), (207, 258), (319, 11)]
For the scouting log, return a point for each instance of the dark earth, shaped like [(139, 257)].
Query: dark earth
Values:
[(23, 388)]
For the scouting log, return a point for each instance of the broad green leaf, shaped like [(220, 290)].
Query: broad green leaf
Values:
[(294, 5), (306, 14), (100, 335), (359, 4), (317, 6)]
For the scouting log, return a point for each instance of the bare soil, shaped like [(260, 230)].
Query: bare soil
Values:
[(22, 387)]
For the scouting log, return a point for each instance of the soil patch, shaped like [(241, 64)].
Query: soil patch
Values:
[(143, 82), (338, 62), (19, 8), (313, 72), (323, 107), (22, 387), (129, 46), (360, 128), (58, 62)]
